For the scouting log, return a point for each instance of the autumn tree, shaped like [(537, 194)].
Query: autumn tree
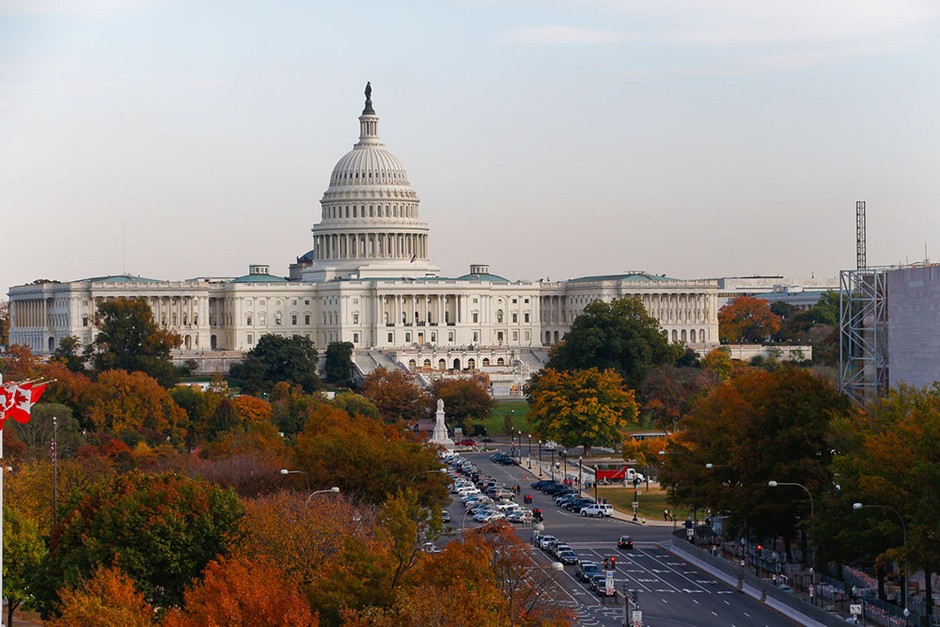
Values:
[(333, 446), (251, 409), (356, 405), (396, 394), (130, 339), (248, 461), (135, 402), (301, 537), (465, 400), (619, 335), (890, 458), (668, 392), (747, 319), (587, 408), (162, 530), (755, 427), (275, 359), (108, 597), (4, 322), (243, 592), (17, 363), (338, 362)]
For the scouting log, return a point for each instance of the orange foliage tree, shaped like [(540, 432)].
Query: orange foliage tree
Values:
[(397, 395), (136, 402), (243, 592), (747, 319), (108, 598), (366, 458), (250, 409), (17, 363)]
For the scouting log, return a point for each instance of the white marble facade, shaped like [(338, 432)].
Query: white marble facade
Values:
[(368, 280)]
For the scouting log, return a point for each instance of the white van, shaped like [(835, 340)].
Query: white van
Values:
[(598, 509)]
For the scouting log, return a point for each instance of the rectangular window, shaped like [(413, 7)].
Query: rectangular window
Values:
[(515, 300), (434, 338), (391, 338), (355, 318), (307, 319), (355, 338), (525, 316), (476, 317), (407, 337), (306, 301), (528, 336), (248, 321), (515, 317), (515, 336), (476, 336), (293, 318), (84, 321), (251, 338), (526, 301), (450, 336)]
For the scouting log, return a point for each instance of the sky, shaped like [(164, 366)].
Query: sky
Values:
[(547, 138)]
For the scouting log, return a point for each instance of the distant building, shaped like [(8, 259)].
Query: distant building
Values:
[(369, 280), (800, 293)]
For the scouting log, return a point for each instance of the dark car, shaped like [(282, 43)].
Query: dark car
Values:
[(568, 557), (625, 542), (586, 570)]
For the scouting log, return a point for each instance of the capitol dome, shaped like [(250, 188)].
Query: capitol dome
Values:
[(369, 215)]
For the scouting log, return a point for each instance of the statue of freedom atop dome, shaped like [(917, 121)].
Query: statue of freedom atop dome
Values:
[(368, 110)]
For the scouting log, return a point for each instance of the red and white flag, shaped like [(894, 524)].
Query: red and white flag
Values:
[(18, 399)]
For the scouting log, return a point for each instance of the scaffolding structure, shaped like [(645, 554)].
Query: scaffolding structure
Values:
[(863, 336)]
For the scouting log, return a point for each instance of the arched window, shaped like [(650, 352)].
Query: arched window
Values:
[(692, 335), (412, 365), (427, 363), (441, 364), (683, 335), (456, 364), (486, 361), (500, 361), (471, 363)]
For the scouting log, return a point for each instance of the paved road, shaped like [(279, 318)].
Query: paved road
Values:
[(672, 593)]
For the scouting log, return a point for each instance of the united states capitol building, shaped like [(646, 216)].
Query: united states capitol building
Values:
[(369, 280)]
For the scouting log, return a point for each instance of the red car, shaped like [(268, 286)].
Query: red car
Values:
[(466, 443)]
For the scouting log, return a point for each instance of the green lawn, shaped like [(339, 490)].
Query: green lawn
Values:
[(518, 411), (651, 503)]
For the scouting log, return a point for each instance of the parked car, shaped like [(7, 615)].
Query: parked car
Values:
[(445, 516), (466, 443), (598, 509), (568, 557), (545, 541), (625, 542)]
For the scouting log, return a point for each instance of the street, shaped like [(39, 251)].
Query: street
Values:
[(671, 592)]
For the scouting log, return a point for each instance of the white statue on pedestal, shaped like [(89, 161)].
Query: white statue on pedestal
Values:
[(439, 436)]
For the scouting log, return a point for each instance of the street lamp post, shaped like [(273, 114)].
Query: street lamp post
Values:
[(530, 450), (636, 503), (860, 506), (565, 455), (519, 433), (333, 490), (540, 458), (595, 484), (553, 464), (285, 472), (579, 475), (812, 522)]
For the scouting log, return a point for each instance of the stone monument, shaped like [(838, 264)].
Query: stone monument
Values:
[(440, 430)]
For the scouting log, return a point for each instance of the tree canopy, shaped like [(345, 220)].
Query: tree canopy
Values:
[(397, 395), (747, 319), (465, 400), (338, 362), (275, 359), (619, 335), (129, 339), (588, 407)]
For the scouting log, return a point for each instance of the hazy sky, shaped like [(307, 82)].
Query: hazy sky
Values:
[(695, 138)]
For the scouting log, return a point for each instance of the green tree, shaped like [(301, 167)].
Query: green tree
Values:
[(275, 359), (338, 362), (23, 550), (587, 407), (356, 405), (160, 529), (747, 319), (129, 339), (465, 400), (620, 335), (68, 353)]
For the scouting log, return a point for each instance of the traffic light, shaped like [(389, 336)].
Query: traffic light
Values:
[(760, 548)]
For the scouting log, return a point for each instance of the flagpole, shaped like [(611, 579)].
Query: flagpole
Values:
[(2, 609)]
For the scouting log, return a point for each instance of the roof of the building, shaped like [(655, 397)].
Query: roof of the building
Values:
[(260, 278), (483, 276), (635, 277), (119, 278)]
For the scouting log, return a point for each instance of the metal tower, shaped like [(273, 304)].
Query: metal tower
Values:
[(863, 324)]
